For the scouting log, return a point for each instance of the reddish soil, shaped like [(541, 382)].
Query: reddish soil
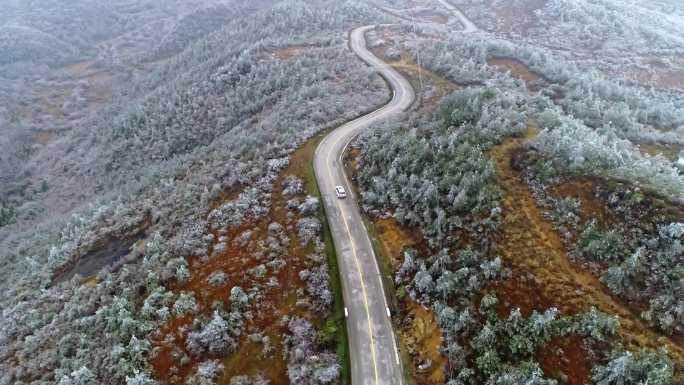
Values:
[(521, 291), (531, 244), (567, 356), (290, 52), (592, 207), (234, 262)]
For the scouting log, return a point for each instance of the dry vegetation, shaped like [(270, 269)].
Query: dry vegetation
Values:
[(537, 254), (241, 264)]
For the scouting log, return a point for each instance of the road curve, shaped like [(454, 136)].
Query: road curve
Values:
[(468, 26), (372, 343)]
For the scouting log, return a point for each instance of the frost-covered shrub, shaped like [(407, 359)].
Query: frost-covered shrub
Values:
[(249, 380), (238, 298), (217, 278), (82, 376), (292, 185), (528, 373), (140, 379), (303, 365), (601, 246), (317, 285), (635, 368), (214, 338), (598, 325), (248, 206), (582, 149), (308, 229), (310, 206), (185, 304), (432, 171), (207, 373)]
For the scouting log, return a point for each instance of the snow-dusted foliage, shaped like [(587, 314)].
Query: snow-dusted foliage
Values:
[(207, 373), (629, 368), (214, 338), (317, 284), (640, 258), (217, 116), (303, 365), (591, 123), (436, 171), (308, 228), (608, 27)]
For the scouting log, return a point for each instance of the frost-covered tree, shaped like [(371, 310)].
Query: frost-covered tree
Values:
[(82, 376), (635, 368), (214, 338), (304, 367)]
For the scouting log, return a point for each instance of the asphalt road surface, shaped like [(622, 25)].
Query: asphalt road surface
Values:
[(373, 347), (468, 26)]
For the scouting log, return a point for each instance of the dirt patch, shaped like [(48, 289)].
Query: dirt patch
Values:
[(113, 251), (583, 189), (42, 137), (519, 70), (430, 87), (393, 239), (287, 53), (530, 243), (422, 338), (669, 151), (660, 77), (567, 358), (80, 69)]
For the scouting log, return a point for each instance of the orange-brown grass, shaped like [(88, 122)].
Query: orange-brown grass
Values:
[(421, 336), (393, 239), (42, 137), (235, 262), (290, 52), (582, 188), (529, 243), (423, 80), (518, 70), (669, 151)]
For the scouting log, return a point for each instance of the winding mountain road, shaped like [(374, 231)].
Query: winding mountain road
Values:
[(373, 347)]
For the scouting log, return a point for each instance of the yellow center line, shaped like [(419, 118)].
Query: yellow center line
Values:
[(363, 285)]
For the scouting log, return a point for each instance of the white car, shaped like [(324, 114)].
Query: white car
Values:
[(339, 191)]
